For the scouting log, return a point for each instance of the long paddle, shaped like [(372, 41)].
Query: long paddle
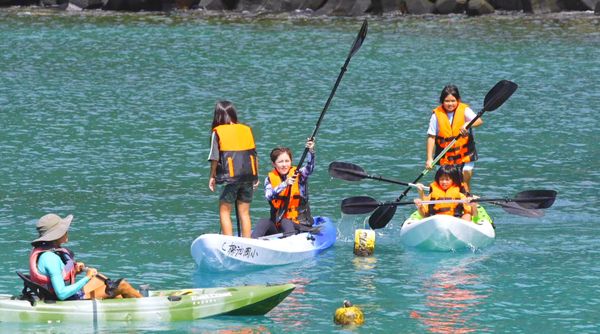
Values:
[(362, 34), (527, 200), (510, 207), (493, 99), (351, 172)]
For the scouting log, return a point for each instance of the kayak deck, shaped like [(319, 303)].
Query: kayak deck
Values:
[(159, 306), (222, 252), (447, 233)]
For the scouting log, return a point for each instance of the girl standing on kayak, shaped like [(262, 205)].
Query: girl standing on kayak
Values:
[(233, 162), (283, 184), (449, 120), (447, 186), (53, 266)]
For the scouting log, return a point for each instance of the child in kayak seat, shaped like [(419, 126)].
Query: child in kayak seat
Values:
[(283, 182), (447, 186)]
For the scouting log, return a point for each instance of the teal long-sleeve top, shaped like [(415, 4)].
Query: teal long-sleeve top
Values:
[(51, 265)]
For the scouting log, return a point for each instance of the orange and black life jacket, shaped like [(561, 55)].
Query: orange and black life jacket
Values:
[(68, 273), (452, 209), (297, 210), (463, 149), (237, 159)]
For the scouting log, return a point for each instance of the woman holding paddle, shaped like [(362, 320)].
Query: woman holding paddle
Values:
[(233, 161), (449, 120), (286, 183)]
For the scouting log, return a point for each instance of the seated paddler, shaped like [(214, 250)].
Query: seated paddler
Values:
[(286, 190), (447, 186), (53, 266)]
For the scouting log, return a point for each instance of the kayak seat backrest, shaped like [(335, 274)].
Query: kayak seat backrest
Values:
[(33, 291)]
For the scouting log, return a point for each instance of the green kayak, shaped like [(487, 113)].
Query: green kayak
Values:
[(160, 305)]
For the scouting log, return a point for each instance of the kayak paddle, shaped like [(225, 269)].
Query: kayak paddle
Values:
[(362, 34), (525, 200)]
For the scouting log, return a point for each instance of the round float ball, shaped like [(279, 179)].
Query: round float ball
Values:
[(348, 315)]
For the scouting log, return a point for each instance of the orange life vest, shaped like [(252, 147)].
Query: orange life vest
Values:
[(297, 205), (452, 209), (237, 159), (463, 149), (69, 271)]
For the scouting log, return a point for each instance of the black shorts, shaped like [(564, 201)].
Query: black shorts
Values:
[(239, 191)]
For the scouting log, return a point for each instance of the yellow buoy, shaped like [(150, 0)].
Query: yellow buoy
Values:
[(364, 242), (349, 315)]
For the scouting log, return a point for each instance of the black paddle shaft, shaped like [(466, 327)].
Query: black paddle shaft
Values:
[(362, 34)]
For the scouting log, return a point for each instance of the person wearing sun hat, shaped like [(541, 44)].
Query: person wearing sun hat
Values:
[(51, 227), (55, 268)]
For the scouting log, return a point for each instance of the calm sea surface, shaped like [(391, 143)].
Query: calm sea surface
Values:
[(108, 117)]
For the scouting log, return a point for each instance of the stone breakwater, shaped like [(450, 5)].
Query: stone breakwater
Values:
[(324, 7)]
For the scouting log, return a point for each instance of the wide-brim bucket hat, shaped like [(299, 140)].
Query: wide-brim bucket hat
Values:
[(52, 227)]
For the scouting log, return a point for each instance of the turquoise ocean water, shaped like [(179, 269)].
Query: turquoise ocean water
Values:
[(108, 117)]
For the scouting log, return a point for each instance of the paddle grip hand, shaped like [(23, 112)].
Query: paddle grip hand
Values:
[(421, 188), (464, 130), (429, 163), (290, 180), (310, 144), (90, 272)]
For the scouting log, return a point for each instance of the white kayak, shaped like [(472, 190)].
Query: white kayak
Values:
[(447, 233), (223, 252)]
